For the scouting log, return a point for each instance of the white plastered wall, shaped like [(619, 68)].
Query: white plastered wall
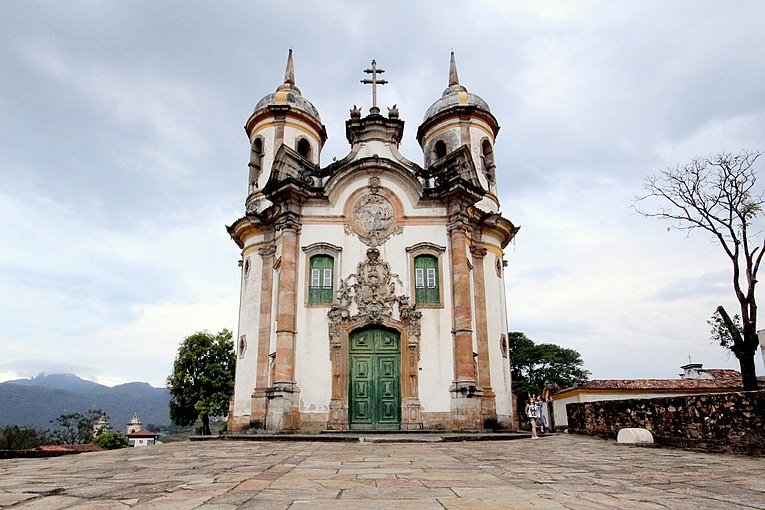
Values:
[(249, 318), (496, 313), (312, 363)]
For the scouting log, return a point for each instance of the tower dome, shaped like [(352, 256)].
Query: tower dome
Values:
[(455, 95), (288, 94), (462, 119)]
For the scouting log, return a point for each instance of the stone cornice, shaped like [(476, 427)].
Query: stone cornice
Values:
[(282, 112), (457, 112)]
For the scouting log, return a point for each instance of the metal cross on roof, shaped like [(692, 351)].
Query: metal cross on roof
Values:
[(374, 71)]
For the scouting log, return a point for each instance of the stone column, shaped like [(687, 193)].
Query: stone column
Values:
[(259, 401), (465, 408), (488, 403), (464, 369), (283, 409)]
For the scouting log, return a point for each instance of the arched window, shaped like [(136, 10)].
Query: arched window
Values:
[(323, 264), (256, 160), (321, 284), (426, 274), (439, 149), (487, 159), (304, 148), (427, 289)]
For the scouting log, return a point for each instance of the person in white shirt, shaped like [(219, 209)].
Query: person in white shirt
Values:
[(532, 414)]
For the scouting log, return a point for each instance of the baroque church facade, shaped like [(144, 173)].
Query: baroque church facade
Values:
[(372, 289)]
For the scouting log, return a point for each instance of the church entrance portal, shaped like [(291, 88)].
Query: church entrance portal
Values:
[(375, 380)]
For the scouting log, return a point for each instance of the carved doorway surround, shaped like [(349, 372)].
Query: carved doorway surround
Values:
[(368, 298)]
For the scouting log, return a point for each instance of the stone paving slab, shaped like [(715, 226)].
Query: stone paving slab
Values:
[(557, 472)]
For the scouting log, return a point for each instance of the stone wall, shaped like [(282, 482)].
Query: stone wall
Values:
[(723, 422)]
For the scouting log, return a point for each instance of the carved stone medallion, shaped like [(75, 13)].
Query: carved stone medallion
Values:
[(373, 217), (373, 213)]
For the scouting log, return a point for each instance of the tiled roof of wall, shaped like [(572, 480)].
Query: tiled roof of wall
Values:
[(723, 379)]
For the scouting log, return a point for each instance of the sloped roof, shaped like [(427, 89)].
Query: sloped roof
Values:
[(723, 379), (142, 433), (68, 448)]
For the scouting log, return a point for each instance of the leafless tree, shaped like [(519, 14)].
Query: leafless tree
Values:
[(719, 194)]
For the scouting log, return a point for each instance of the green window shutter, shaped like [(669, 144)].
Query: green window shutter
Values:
[(426, 280), (320, 287)]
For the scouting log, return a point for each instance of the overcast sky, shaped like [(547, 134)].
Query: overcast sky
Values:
[(122, 157)]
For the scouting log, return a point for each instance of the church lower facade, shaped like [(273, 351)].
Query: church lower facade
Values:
[(372, 289)]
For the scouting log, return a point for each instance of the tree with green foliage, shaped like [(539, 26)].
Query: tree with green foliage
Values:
[(202, 381), (537, 365), (719, 195), (14, 437), (111, 440), (76, 428)]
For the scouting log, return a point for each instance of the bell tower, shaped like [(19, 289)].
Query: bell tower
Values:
[(462, 119), (283, 117)]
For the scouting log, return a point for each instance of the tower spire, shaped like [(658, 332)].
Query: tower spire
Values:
[(289, 74), (453, 78)]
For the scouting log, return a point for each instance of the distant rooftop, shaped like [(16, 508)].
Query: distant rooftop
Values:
[(694, 378)]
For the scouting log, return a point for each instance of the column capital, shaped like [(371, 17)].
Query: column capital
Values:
[(267, 251), (289, 221), (478, 249), (458, 221)]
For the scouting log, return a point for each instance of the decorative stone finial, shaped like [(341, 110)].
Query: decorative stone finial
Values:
[(289, 74), (453, 78), (289, 77), (355, 112), (393, 112)]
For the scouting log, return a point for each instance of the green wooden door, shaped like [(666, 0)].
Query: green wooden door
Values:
[(375, 389)]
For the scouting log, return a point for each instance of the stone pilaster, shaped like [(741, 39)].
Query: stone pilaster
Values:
[(259, 400), (284, 400), (465, 408), (488, 403), (464, 369), (280, 118)]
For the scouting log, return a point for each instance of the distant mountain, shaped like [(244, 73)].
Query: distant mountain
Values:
[(65, 382), (35, 402)]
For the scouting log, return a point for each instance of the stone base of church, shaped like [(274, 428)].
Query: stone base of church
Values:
[(411, 418), (313, 422), (338, 415), (489, 411), (283, 412), (466, 410), (259, 404), (505, 422), (236, 424)]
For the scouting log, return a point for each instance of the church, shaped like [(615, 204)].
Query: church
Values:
[(373, 288)]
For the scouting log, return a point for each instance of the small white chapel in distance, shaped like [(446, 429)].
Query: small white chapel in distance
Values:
[(372, 288)]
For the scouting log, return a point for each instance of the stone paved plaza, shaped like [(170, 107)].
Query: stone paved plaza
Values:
[(555, 472)]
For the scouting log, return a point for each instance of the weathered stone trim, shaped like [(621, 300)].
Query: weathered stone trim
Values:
[(488, 404), (366, 298)]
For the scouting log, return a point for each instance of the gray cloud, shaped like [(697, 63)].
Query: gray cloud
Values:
[(122, 153)]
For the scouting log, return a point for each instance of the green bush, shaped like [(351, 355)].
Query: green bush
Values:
[(111, 441)]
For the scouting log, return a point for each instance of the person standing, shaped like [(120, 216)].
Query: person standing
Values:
[(532, 414), (540, 414)]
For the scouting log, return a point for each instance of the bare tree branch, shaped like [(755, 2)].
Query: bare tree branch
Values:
[(719, 194)]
